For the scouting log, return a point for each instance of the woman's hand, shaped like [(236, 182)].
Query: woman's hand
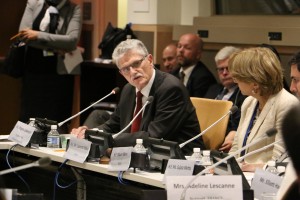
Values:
[(226, 146), (28, 35)]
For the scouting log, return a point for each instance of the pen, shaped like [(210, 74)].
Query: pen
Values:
[(15, 36)]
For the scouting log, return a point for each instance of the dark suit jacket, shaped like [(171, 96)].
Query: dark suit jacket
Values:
[(199, 81), (236, 98), (170, 116)]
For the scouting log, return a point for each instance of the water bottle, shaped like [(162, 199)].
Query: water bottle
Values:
[(53, 139), (206, 161), (271, 167), (281, 170), (196, 156), (139, 147), (32, 122)]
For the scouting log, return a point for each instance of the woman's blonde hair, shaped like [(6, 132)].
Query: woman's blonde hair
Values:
[(257, 65)]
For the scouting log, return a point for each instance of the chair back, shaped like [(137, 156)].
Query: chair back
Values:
[(209, 111)]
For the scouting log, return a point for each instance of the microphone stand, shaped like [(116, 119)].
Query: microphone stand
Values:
[(257, 150), (41, 162), (114, 91), (232, 110), (149, 100)]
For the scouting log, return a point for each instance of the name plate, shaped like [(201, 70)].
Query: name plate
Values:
[(120, 159), (265, 182), (176, 167), (21, 133), (205, 187), (78, 150)]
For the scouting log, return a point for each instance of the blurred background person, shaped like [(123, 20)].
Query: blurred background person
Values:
[(290, 185), (192, 72), (169, 58), (258, 73), (294, 64), (50, 28), (227, 89)]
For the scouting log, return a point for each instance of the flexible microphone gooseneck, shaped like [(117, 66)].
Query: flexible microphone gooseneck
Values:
[(257, 150), (148, 101), (114, 91), (39, 163), (268, 133), (232, 110)]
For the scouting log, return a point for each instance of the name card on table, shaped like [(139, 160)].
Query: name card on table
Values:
[(265, 182), (205, 187), (120, 159), (176, 167), (21, 133), (78, 150)]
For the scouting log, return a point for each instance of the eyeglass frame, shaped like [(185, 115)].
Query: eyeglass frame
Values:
[(221, 69), (136, 64)]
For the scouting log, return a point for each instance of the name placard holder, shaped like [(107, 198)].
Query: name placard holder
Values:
[(120, 159), (205, 187), (265, 182), (21, 133), (78, 150)]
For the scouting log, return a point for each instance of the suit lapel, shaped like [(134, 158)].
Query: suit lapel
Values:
[(261, 118)]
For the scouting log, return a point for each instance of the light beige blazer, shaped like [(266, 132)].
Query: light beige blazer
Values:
[(270, 117)]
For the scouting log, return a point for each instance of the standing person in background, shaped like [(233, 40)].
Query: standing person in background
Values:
[(294, 63), (50, 28), (192, 72), (169, 57), (227, 89), (258, 73)]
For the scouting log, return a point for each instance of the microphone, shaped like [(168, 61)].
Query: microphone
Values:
[(257, 150), (268, 133), (232, 110), (148, 101), (39, 163), (114, 91)]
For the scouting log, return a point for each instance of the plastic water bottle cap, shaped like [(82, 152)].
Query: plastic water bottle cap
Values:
[(196, 150), (271, 163), (139, 141), (206, 153), (31, 119), (281, 169), (53, 127)]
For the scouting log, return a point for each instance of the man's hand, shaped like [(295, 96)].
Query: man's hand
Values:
[(79, 132)]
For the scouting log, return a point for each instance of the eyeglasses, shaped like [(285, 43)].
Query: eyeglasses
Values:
[(295, 79), (222, 69), (134, 65)]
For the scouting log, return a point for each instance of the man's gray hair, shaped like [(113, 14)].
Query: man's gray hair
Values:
[(225, 52), (129, 45)]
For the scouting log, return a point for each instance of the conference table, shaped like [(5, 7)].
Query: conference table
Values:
[(99, 183)]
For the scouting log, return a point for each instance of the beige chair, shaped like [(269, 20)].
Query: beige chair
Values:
[(209, 111)]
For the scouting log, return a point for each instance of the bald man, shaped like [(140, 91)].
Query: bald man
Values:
[(192, 72), (169, 58)]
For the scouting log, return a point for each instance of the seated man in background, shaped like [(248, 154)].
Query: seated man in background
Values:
[(170, 116), (169, 58), (192, 72), (227, 89), (294, 63)]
